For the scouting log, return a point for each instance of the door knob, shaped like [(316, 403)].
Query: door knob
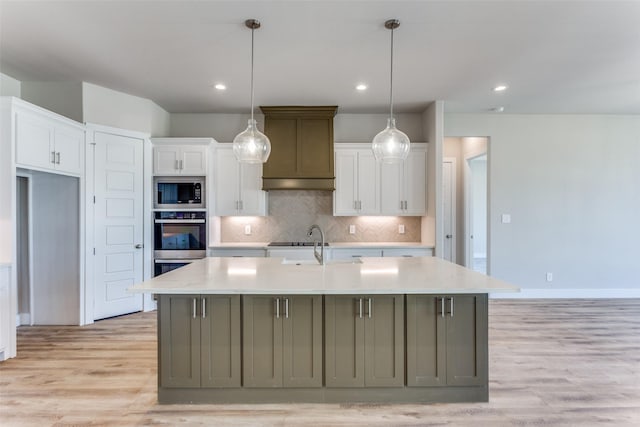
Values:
[(448, 236), (138, 246)]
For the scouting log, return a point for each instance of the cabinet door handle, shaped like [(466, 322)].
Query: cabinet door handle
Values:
[(360, 307), (451, 300), (277, 308), (204, 307), (442, 307), (370, 307), (241, 205), (194, 308), (286, 308), (58, 158), (53, 157)]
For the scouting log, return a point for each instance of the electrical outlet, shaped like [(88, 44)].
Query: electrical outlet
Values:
[(401, 228), (549, 277), (352, 229), (247, 230)]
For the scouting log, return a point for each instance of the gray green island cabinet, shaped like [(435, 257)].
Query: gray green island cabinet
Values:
[(258, 330)]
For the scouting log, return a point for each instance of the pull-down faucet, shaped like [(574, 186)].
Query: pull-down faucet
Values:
[(319, 256)]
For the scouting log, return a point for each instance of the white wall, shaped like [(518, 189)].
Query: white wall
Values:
[(570, 184), (433, 130), (346, 127), (9, 86), (64, 98), (117, 109)]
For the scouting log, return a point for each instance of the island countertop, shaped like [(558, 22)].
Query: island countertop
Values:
[(273, 276)]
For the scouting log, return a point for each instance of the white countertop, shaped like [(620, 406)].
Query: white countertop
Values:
[(390, 275)]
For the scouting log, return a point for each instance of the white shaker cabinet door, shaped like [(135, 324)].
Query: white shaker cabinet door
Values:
[(253, 198), (193, 160), (69, 144), (166, 160), (34, 141), (346, 195), (227, 172), (415, 185), (368, 183), (391, 186)]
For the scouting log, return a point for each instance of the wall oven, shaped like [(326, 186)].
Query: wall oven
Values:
[(179, 237), (179, 193)]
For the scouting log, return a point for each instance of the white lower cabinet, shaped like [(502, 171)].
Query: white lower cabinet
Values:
[(237, 187), (46, 141), (407, 252), (238, 252), (349, 253)]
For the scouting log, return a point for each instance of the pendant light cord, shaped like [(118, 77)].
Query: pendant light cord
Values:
[(252, 31), (391, 78)]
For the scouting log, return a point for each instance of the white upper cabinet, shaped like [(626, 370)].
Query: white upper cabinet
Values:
[(365, 187), (403, 185), (180, 156), (46, 142), (237, 186), (357, 182)]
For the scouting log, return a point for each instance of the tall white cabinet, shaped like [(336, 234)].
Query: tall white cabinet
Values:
[(237, 186), (403, 184)]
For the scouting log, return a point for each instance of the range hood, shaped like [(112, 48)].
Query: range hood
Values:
[(301, 148)]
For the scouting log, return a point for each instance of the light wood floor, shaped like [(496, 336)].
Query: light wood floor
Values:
[(562, 362)]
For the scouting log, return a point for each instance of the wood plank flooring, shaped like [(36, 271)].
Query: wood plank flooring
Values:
[(552, 363)]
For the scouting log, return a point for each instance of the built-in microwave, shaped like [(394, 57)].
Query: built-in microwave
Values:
[(179, 193)]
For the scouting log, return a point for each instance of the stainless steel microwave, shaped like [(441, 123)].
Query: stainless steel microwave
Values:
[(179, 192)]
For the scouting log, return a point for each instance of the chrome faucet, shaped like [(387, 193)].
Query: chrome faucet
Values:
[(319, 256)]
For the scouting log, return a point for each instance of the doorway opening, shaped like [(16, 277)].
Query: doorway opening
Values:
[(467, 200)]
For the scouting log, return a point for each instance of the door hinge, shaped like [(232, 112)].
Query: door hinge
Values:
[(94, 200), (94, 251)]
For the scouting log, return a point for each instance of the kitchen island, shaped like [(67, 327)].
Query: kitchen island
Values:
[(246, 330)]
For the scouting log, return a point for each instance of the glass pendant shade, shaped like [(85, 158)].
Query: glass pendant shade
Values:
[(391, 145), (251, 145)]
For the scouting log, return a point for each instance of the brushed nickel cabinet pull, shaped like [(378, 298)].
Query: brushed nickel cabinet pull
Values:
[(195, 301), (360, 307), (370, 307), (53, 157), (451, 306), (286, 308), (277, 308), (442, 307), (204, 307)]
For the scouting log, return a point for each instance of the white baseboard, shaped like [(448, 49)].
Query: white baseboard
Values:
[(570, 293), (23, 319)]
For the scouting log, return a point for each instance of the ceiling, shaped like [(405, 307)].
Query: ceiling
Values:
[(555, 56)]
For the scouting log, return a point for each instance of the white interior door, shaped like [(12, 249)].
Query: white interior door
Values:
[(449, 208), (118, 223)]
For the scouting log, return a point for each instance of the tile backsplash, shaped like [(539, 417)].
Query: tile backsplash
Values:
[(291, 212)]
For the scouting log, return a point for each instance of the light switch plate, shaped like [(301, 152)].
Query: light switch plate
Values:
[(506, 218), (401, 228), (247, 230), (352, 229)]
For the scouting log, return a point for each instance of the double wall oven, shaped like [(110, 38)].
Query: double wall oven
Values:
[(179, 236)]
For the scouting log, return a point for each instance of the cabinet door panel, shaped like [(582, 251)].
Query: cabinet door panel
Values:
[(220, 341), (346, 194), (34, 141), (194, 160), (344, 342), (165, 160), (415, 188), (302, 337), (384, 341), (426, 352), (226, 182), (254, 200), (391, 181), (69, 143), (179, 332), (368, 183), (262, 342), (467, 350)]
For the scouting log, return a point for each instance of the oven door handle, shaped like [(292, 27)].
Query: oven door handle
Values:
[(179, 221)]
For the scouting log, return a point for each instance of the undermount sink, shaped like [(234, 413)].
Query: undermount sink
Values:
[(288, 261)]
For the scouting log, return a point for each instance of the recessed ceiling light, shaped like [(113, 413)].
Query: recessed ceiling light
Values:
[(500, 88), (361, 87), (220, 86)]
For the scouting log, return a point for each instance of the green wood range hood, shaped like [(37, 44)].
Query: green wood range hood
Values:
[(301, 148)]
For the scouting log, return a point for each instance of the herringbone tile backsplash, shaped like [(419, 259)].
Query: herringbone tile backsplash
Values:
[(291, 213)]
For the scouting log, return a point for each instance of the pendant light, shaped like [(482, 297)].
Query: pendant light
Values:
[(251, 145), (391, 145)]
